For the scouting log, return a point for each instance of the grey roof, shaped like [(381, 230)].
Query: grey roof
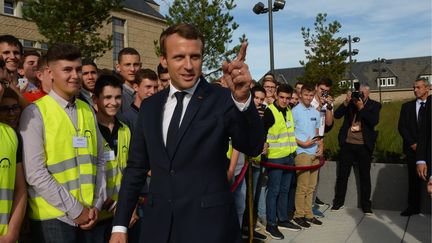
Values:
[(143, 6), (405, 70)]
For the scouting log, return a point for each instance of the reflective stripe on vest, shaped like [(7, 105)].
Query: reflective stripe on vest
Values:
[(114, 168), (73, 168), (281, 139), (8, 150)]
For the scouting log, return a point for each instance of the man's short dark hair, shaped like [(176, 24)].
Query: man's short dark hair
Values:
[(63, 51), (87, 61), (27, 54), (107, 80), (308, 87), (161, 69), (298, 82), (145, 73), (325, 81), (127, 51), (257, 88), (13, 41), (420, 79), (42, 63), (285, 88), (187, 31)]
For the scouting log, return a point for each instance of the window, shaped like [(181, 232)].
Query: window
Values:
[(9, 7), (347, 83), (427, 77), (29, 43), (386, 82), (118, 36), (44, 46)]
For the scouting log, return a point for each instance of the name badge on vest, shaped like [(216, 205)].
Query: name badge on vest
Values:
[(109, 155), (79, 142), (288, 124)]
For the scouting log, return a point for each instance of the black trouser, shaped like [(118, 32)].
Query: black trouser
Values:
[(414, 182), (349, 154)]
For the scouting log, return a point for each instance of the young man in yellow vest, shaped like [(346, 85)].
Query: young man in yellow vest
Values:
[(63, 155), (281, 147), (108, 98), (13, 196)]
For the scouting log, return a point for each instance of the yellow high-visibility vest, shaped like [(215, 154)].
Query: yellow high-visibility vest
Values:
[(281, 137), (72, 167), (114, 168), (8, 150)]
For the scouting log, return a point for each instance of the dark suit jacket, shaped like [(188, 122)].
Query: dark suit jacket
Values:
[(408, 127), (189, 198), (369, 117), (424, 143)]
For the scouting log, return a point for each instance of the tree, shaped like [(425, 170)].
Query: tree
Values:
[(215, 23), (323, 53), (75, 22)]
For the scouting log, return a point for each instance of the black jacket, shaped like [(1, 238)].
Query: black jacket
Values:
[(369, 117)]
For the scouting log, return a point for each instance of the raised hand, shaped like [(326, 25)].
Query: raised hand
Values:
[(237, 76)]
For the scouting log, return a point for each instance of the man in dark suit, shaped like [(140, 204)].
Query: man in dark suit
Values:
[(410, 120), (357, 141), (184, 145), (423, 152)]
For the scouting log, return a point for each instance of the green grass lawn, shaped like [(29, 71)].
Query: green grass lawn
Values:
[(388, 147)]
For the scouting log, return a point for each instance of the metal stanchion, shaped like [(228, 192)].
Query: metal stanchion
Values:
[(250, 200)]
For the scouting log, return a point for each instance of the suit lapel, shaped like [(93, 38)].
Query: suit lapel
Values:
[(192, 109)]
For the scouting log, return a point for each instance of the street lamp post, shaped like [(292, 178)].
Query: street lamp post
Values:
[(380, 70), (351, 53), (259, 8)]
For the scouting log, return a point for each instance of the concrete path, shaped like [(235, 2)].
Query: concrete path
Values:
[(350, 225)]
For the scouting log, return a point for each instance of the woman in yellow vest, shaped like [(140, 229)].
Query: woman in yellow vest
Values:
[(13, 197)]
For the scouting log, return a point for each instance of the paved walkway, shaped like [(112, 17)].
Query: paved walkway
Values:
[(350, 225)]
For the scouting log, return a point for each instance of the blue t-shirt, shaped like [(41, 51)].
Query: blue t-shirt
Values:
[(306, 121)]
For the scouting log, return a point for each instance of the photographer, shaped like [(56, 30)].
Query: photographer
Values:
[(357, 140)]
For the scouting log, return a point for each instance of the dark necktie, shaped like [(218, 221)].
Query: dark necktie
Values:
[(421, 113), (174, 124)]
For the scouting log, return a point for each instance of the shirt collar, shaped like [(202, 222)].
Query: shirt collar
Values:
[(420, 100), (189, 91), (62, 102), (304, 107), (128, 89)]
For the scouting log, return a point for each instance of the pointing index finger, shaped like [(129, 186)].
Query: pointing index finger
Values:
[(241, 56)]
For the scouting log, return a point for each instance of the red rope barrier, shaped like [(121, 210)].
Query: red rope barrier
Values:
[(240, 177), (275, 166), (290, 167)]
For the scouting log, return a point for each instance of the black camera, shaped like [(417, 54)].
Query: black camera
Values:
[(357, 94), (262, 108), (325, 93)]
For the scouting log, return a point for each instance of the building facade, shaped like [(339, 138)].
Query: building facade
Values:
[(391, 81), (137, 25)]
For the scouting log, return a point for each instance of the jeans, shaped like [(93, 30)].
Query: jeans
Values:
[(240, 200), (261, 207), (278, 187), (54, 231)]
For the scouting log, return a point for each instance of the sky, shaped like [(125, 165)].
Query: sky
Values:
[(387, 29)]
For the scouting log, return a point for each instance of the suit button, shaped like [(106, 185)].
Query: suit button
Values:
[(172, 172)]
